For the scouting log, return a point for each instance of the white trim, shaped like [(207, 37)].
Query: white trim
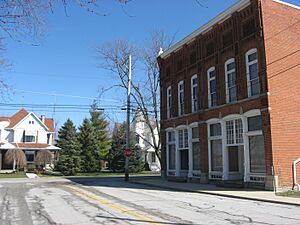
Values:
[(287, 4), (248, 64), (194, 109), (225, 174), (180, 91), (229, 61), (169, 101), (194, 124), (209, 139), (225, 14), (211, 69), (169, 129), (167, 149), (192, 172), (253, 112), (213, 120), (231, 117)]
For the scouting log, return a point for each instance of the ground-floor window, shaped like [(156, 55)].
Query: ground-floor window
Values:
[(153, 157), (29, 156), (195, 148), (171, 149), (172, 160), (216, 155), (257, 154), (196, 155)]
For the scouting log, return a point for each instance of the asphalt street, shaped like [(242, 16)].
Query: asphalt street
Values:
[(110, 200)]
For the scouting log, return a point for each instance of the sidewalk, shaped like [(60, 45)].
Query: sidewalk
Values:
[(249, 194)]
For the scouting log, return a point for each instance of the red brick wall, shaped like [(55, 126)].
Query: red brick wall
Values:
[(281, 25)]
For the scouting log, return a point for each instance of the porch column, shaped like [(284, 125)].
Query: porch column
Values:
[(177, 157), (190, 163), (246, 150), (224, 151)]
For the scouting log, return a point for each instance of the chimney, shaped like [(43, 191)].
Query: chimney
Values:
[(43, 118)]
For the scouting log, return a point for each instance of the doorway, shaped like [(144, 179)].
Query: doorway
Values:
[(235, 162), (184, 162)]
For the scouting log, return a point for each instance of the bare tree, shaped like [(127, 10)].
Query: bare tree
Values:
[(145, 88), (16, 157), (43, 157)]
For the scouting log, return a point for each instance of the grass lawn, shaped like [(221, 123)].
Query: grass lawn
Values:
[(12, 175), (293, 194)]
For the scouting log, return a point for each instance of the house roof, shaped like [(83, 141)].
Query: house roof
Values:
[(17, 117), (49, 122), (21, 114), (4, 118), (28, 146), (35, 146)]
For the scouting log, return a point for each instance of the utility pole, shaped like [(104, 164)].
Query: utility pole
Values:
[(128, 119)]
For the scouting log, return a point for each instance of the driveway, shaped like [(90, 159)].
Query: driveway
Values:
[(110, 200)]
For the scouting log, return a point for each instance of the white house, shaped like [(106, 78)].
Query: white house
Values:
[(144, 140), (28, 132)]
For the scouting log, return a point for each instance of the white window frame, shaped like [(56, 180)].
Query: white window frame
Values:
[(192, 172), (218, 175), (169, 102), (34, 139), (252, 113), (170, 172), (227, 72), (208, 85), (185, 142), (234, 120), (180, 104), (248, 64), (194, 97)]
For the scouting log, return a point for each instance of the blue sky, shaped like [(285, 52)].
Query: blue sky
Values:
[(66, 62)]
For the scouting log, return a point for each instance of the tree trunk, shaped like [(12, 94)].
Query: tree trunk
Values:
[(14, 165)]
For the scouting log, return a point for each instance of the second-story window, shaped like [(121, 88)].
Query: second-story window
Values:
[(29, 138), (252, 73), (212, 87), (194, 93), (230, 78), (180, 98), (169, 102)]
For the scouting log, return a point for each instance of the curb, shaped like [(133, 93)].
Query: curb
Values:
[(216, 194)]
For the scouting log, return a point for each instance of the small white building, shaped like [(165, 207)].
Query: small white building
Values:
[(28, 132), (144, 140)]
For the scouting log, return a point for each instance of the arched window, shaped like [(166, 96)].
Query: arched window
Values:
[(194, 93), (180, 98), (169, 102), (230, 79), (252, 73), (212, 87)]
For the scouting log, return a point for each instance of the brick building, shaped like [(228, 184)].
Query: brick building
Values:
[(230, 97)]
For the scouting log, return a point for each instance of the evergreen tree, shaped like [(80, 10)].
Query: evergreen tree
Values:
[(100, 126), (116, 153), (116, 158), (69, 161), (89, 147)]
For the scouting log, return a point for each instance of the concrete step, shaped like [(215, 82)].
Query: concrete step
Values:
[(177, 179), (231, 184)]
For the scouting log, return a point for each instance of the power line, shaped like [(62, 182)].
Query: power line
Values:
[(57, 75), (65, 95)]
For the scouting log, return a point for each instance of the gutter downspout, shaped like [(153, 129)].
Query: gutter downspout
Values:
[(295, 184)]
